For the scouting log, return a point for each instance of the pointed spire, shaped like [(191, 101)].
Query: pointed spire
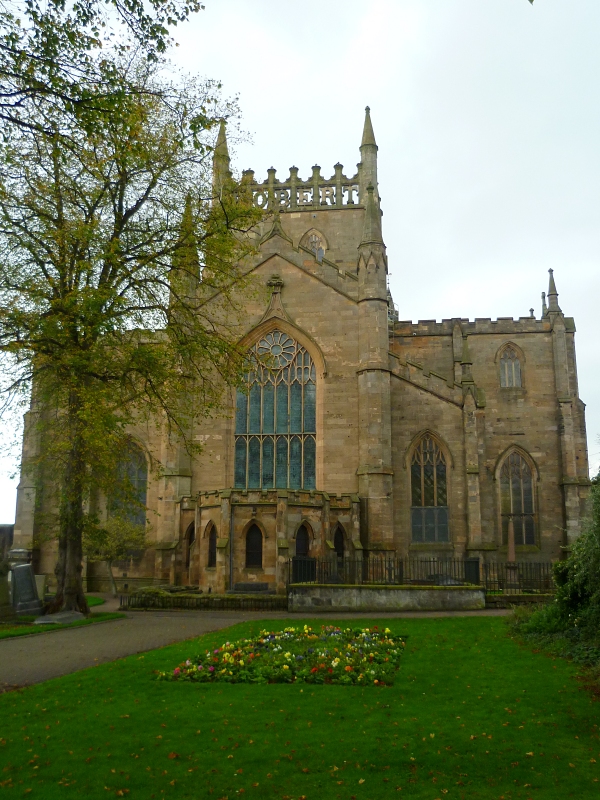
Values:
[(368, 137), (185, 272), (221, 149), (372, 226), (221, 160), (552, 294)]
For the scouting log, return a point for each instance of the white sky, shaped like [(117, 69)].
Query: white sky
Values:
[(487, 118)]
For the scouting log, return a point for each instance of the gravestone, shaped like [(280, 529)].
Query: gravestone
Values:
[(25, 598)]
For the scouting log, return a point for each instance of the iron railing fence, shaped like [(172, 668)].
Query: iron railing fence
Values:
[(204, 602), (519, 578)]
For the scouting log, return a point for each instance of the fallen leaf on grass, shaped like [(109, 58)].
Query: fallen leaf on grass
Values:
[(173, 755), (361, 780)]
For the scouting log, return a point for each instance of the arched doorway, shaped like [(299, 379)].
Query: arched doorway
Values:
[(211, 560), (190, 541), (302, 542), (304, 568), (254, 547), (339, 541)]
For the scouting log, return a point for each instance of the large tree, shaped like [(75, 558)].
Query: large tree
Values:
[(113, 237), (49, 49)]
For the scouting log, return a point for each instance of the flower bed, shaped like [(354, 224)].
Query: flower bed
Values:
[(358, 656)]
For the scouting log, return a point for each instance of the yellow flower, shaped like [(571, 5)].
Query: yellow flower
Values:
[(285, 666)]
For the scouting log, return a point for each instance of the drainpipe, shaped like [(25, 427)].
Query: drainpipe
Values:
[(231, 547)]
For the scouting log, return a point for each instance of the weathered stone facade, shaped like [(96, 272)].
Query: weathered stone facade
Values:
[(476, 393)]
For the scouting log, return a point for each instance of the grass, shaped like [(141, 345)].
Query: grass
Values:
[(8, 630), (95, 601), (471, 715)]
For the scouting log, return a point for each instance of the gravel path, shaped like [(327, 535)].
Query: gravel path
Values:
[(32, 659)]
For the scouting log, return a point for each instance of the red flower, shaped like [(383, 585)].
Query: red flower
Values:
[(314, 669)]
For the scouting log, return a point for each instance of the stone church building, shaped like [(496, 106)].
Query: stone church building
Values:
[(364, 435)]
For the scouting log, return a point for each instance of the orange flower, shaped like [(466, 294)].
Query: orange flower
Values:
[(348, 669)]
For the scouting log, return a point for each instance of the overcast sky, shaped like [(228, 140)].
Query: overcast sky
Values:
[(487, 118)]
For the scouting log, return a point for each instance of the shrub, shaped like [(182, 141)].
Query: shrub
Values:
[(578, 578)]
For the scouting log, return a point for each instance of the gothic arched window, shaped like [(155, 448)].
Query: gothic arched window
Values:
[(517, 499), (276, 420), (131, 492), (429, 511), (212, 547), (302, 541), (510, 368), (254, 547)]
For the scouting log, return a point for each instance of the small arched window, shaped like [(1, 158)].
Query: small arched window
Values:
[(517, 499), (254, 547), (510, 369), (339, 541), (429, 512), (314, 241), (302, 542), (212, 547)]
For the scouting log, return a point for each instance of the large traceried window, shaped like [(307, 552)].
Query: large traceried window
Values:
[(275, 430), (429, 512), (510, 369), (130, 497), (517, 499)]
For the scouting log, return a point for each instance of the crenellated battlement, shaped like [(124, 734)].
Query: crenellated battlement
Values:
[(316, 192), (504, 325)]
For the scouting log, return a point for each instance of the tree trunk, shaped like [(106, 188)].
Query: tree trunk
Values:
[(113, 584), (69, 593)]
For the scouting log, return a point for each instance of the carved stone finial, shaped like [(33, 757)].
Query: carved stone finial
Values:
[(532, 313), (544, 306), (275, 282)]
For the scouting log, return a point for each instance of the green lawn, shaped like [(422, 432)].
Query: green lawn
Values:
[(471, 715), (26, 628)]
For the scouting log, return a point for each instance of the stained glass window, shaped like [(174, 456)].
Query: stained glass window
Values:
[(510, 368), (254, 546), (517, 501), (275, 433), (429, 511)]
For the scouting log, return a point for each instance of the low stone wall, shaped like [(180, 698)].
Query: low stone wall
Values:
[(321, 597), (511, 600)]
